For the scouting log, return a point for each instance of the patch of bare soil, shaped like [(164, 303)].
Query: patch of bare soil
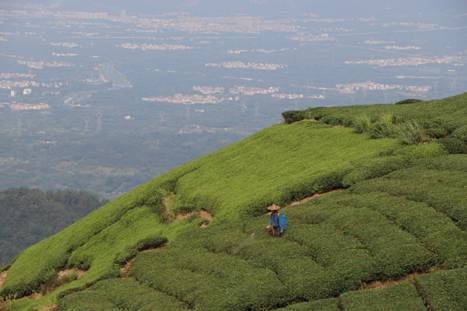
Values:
[(3, 277), (35, 296), (62, 277), (308, 199), (205, 215), (49, 308), (73, 273), (183, 216), (388, 283), (311, 198), (125, 270), (159, 249)]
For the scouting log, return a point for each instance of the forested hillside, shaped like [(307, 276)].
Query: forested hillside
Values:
[(376, 198), (30, 215)]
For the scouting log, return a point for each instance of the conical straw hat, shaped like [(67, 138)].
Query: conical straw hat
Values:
[(274, 207)]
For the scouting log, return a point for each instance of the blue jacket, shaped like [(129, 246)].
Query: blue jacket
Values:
[(274, 221)]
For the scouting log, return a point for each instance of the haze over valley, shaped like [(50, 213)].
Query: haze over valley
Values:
[(103, 96)]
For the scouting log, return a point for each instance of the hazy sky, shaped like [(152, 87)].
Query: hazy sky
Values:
[(395, 8)]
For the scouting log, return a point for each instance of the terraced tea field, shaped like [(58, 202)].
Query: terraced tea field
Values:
[(338, 245), (392, 238)]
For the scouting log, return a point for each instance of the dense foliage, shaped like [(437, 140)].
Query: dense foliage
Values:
[(30, 215), (410, 121)]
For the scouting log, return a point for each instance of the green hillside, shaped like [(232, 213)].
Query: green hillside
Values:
[(391, 237)]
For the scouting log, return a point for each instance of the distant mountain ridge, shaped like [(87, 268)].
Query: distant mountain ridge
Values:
[(30, 215)]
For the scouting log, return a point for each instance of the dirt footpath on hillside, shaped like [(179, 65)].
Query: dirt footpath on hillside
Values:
[(3, 277)]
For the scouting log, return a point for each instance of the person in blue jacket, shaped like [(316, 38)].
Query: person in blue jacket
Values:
[(275, 220)]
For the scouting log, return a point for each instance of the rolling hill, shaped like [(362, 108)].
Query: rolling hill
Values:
[(376, 198)]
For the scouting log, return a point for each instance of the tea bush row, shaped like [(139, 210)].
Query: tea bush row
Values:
[(444, 190), (445, 290), (433, 229), (442, 290), (120, 294), (395, 298), (317, 305), (209, 281)]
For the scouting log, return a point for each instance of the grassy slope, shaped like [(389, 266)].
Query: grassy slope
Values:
[(279, 164), (276, 165)]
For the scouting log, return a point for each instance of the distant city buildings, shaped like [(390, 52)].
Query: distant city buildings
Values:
[(25, 107), (208, 90), (351, 88), (249, 65), (186, 99), (295, 96), (69, 45), (407, 61), (44, 64), (402, 48), (251, 91), (307, 37), (28, 84), (217, 95), (154, 47), (16, 75), (259, 51), (64, 54)]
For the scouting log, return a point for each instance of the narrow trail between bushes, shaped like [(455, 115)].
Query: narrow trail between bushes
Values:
[(311, 198), (3, 277), (62, 277), (388, 283), (205, 215), (125, 270)]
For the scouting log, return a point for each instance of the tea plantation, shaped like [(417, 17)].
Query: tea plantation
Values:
[(391, 237)]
